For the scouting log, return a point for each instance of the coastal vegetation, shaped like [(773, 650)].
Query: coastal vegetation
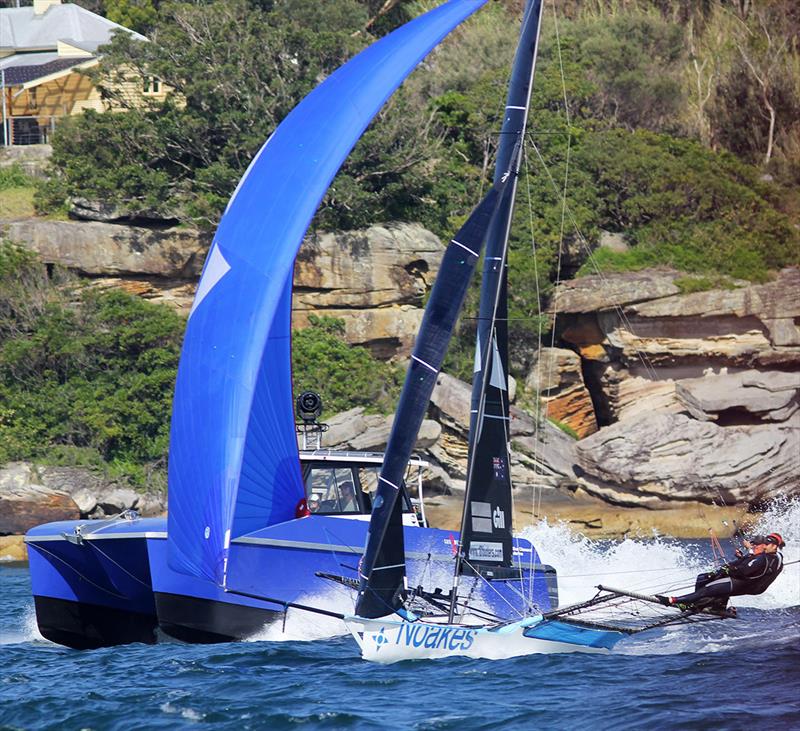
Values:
[(87, 374), (673, 126), (16, 192)]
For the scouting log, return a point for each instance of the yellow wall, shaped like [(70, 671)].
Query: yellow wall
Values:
[(72, 94), (132, 89), (67, 95)]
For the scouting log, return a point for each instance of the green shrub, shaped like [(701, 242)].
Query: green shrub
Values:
[(85, 375), (566, 428), (344, 375), (687, 285), (686, 207), (13, 176)]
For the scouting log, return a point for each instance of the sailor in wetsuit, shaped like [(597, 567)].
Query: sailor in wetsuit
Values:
[(749, 574)]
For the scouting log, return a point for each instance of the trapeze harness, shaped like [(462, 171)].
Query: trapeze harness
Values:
[(746, 575)]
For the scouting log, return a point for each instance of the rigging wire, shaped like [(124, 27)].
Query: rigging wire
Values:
[(541, 414), (643, 357)]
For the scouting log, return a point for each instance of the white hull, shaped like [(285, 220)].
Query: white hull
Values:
[(392, 640)]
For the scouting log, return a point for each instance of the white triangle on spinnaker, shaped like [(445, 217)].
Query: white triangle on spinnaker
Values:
[(498, 379), (216, 269)]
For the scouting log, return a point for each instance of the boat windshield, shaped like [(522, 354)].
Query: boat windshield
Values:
[(342, 489)]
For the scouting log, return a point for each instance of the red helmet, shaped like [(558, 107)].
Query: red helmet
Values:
[(776, 539)]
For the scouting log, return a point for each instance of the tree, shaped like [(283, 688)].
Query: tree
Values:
[(233, 71), (765, 51)]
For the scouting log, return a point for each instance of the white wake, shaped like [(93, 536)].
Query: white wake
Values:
[(654, 565), (661, 564)]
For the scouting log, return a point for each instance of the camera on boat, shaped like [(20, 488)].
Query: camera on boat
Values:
[(309, 406)]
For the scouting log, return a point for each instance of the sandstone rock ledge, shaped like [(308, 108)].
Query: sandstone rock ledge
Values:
[(374, 279), (696, 396)]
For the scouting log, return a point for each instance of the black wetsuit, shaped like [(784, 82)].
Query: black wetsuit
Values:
[(749, 574)]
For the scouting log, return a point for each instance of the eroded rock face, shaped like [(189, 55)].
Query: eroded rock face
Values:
[(541, 454), (654, 458), (720, 368), (375, 280), (639, 319), (766, 396), (557, 379), (108, 249), (31, 495), (25, 502)]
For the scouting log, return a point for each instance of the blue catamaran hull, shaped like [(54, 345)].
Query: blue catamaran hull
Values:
[(111, 583), (91, 581), (282, 564)]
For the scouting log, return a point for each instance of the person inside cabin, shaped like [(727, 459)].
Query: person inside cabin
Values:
[(751, 573), (347, 497), (313, 502)]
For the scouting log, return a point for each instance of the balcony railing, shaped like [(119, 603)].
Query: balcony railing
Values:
[(28, 130)]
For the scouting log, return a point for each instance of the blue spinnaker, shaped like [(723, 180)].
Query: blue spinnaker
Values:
[(234, 464)]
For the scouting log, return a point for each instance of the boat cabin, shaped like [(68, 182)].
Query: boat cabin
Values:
[(344, 483)]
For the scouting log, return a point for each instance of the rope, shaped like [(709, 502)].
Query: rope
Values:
[(541, 418), (78, 573), (643, 357)]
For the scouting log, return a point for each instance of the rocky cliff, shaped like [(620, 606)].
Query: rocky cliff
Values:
[(676, 397), (375, 280), (696, 396)]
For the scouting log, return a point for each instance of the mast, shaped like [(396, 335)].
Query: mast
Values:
[(382, 569), (486, 528)]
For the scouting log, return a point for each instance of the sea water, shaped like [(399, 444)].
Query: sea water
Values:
[(742, 674)]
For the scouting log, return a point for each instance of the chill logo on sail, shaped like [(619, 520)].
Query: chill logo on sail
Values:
[(499, 518), (431, 637)]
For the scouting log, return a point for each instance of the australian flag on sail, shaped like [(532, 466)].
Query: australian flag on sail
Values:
[(499, 464)]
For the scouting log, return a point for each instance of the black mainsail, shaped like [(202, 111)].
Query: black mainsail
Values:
[(382, 568), (487, 511), (486, 529)]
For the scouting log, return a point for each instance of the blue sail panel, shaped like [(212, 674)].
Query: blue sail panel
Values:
[(234, 465)]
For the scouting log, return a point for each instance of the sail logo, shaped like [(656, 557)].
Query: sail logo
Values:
[(499, 468), (499, 518), (434, 637), (481, 517)]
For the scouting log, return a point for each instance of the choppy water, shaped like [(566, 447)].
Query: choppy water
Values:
[(742, 674)]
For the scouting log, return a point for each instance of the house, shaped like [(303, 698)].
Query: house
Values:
[(43, 49)]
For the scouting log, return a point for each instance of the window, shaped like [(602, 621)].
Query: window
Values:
[(151, 85), (330, 490), (368, 477), (32, 100)]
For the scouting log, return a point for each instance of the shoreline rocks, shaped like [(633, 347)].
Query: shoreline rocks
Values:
[(637, 362), (33, 494)]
